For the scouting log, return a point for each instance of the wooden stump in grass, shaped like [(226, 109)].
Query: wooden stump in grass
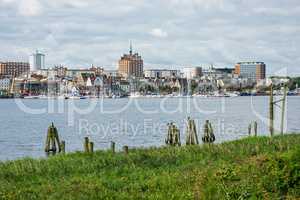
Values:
[(63, 146), (91, 147), (125, 149), (112, 147), (255, 128), (86, 144)]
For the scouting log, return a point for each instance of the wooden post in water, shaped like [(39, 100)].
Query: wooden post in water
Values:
[(125, 149), (209, 136), (255, 128), (191, 135), (173, 136), (86, 144), (271, 114), (63, 146), (91, 147), (52, 140), (249, 129), (283, 108), (113, 147)]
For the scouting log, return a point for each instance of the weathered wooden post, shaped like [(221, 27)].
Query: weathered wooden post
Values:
[(63, 146), (52, 140), (192, 137), (209, 136), (249, 129), (173, 136), (176, 136), (283, 108), (125, 149), (271, 114), (168, 140), (112, 147), (255, 128), (86, 144), (211, 132), (91, 147)]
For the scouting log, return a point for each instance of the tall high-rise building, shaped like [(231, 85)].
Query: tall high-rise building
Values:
[(14, 68), (131, 65), (255, 71), (37, 61)]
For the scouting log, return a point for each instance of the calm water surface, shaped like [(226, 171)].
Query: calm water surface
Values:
[(132, 122)]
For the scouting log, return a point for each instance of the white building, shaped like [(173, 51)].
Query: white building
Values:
[(192, 72), (111, 73), (5, 84), (37, 61), (161, 73)]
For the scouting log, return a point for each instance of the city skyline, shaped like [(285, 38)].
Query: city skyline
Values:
[(179, 33)]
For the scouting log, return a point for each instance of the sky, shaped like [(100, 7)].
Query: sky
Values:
[(167, 33)]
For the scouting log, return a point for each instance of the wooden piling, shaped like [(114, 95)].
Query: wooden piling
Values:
[(271, 111), (63, 146), (249, 129), (112, 147), (191, 135), (47, 145), (255, 128), (173, 135), (125, 149), (91, 147), (86, 144), (283, 109), (208, 136), (52, 140)]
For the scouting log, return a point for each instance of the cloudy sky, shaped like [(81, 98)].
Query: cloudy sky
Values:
[(166, 33)]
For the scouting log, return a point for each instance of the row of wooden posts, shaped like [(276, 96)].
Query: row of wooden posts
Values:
[(254, 124), (173, 136), (272, 104), (89, 146), (53, 143)]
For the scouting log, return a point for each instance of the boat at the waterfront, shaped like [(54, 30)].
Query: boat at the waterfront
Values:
[(31, 97), (135, 95)]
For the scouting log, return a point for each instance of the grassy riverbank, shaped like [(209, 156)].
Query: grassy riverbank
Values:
[(254, 168)]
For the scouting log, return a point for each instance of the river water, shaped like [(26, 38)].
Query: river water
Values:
[(138, 122)]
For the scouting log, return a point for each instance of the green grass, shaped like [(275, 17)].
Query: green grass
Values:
[(252, 168)]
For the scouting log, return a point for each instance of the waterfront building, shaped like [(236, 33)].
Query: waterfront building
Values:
[(98, 70), (112, 73), (14, 68), (76, 73), (131, 65), (192, 72), (37, 61), (254, 71), (5, 84), (161, 73), (124, 87), (213, 73)]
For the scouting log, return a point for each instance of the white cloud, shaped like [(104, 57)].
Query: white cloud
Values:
[(80, 32), (6, 1), (157, 32), (30, 7)]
